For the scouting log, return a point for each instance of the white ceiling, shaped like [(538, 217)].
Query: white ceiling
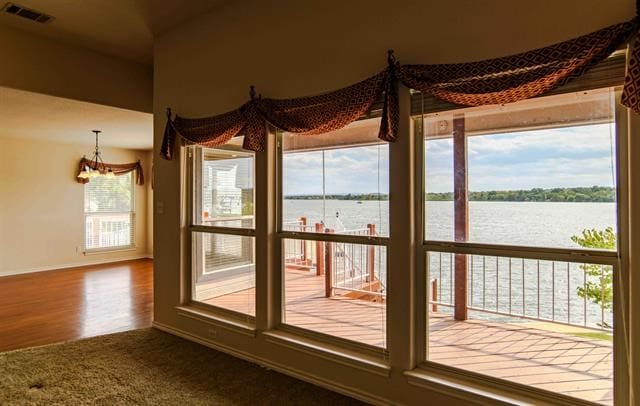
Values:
[(122, 28), (42, 117)]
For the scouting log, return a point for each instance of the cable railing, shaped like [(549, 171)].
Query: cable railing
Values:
[(570, 293)]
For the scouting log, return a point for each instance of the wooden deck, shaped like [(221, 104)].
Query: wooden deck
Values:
[(564, 363)]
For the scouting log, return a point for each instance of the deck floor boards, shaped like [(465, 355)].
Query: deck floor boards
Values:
[(575, 366)]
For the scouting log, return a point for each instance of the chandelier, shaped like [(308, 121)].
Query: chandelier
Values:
[(96, 167)]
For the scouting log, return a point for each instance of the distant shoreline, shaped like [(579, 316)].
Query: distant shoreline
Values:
[(593, 194)]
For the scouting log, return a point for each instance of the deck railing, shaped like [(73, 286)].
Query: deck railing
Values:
[(550, 291), (108, 230), (357, 269), (298, 252)]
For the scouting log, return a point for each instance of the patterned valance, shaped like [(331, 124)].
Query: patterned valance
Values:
[(493, 81), (118, 169), (304, 115)]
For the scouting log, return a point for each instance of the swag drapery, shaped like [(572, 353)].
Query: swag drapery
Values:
[(118, 169), (493, 81)]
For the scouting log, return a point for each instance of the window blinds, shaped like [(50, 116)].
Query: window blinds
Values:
[(109, 213)]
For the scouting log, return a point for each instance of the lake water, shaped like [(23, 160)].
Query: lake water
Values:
[(535, 288), (515, 223)]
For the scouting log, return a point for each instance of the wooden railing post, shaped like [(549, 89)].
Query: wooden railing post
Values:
[(434, 295), (328, 264), (461, 214), (371, 255), (303, 228), (319, 251)]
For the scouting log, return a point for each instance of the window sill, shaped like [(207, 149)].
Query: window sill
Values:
[(109, 250), (216, 320), (476, 389), (329, 352)]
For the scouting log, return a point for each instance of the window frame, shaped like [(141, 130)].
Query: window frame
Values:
[(132, 220), (194, 155), (282, 235), (614, 258)]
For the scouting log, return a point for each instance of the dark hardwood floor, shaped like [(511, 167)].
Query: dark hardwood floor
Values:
[(54, 306)]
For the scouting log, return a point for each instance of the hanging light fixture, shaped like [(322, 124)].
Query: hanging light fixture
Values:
[(96, 166)]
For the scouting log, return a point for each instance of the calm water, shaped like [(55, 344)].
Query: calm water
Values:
[(534, 288), (514, 223)]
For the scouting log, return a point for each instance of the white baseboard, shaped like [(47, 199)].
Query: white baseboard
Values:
[(284, 369), (73, 265)]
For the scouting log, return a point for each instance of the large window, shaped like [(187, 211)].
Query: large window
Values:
[(495, 233), (222, 228), (335, 187), (109, 213), (513, 196)]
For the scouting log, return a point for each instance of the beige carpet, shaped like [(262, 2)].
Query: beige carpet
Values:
[(146, 367)]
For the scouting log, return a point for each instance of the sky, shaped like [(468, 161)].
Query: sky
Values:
[(347, 170), (566, 157)]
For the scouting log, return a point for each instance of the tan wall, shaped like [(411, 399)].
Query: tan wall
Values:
[(295, 48), (149, 207), (37, 64), (42, 206)]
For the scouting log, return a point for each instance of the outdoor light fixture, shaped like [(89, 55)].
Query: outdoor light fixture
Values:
[(96, 166)]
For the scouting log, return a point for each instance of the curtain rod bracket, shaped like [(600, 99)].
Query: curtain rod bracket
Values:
[(252, 92), (391, 58)]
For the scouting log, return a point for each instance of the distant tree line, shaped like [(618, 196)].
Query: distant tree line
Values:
[(574, 194), (348, 196)]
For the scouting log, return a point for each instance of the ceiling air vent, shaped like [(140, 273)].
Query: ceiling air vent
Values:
[(27, 13)]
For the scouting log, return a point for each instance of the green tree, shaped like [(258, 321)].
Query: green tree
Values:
[(600, 288)]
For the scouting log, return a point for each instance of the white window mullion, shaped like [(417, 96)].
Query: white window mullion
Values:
[(268, 258), (402, 242), (621, 286)]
